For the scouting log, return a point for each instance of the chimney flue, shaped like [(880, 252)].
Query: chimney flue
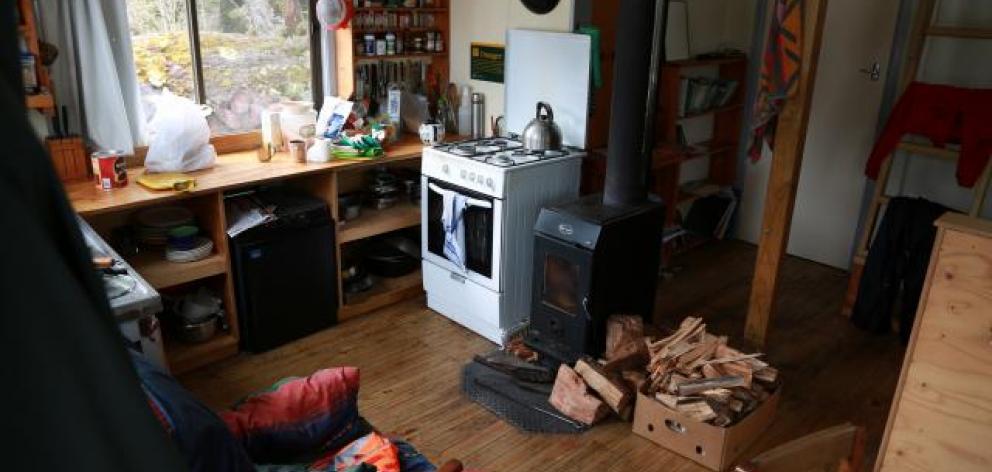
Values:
[(639, 53)]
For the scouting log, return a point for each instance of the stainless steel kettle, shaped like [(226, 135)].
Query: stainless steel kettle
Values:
[(542, 133)]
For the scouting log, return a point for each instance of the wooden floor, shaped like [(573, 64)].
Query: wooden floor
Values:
[(410, 359)]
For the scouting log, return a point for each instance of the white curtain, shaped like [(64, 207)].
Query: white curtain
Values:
[(94, 74)]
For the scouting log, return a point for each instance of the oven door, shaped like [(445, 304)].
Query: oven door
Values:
[(483, 233)]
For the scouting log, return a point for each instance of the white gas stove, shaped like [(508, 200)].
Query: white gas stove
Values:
[(494, 189), (481, 198)]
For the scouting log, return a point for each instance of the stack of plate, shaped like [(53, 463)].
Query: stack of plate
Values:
[(199, 249), (153, 225), (174, 228)]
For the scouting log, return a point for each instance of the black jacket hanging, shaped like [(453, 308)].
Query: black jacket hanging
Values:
[(897, 266)]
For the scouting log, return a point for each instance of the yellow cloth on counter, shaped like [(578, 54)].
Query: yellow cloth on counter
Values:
[(168, 181)]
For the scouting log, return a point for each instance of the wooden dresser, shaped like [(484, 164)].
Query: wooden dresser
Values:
[(941, 417)]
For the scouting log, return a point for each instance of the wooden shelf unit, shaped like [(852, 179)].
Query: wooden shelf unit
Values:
[(106, 210), (722, 146), (369, 224), (388, 290), (375, 222), (347, 55), (28, 29), (401, 10), (162, 273)]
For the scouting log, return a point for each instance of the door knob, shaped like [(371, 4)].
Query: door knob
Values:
[(874, 72)]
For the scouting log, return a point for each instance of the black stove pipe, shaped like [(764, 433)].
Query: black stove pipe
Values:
[(640, 25)]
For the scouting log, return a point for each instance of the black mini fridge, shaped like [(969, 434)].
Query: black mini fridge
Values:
[(285, 272)]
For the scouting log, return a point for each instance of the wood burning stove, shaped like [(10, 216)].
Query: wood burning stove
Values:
[(591, 261)]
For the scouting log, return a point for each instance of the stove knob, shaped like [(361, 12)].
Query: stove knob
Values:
[(489, 182), (480, 180), (445, 169), (464, 173), (471, 177)]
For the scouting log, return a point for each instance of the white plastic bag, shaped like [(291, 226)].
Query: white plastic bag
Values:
[(181, 142)]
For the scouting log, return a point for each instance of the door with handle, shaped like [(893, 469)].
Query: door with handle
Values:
[(849, 88), (874, 71)]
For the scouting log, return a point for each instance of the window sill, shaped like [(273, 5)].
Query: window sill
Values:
[(224, 144)]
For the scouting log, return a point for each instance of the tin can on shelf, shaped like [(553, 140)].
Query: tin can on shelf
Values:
[(109, 169)]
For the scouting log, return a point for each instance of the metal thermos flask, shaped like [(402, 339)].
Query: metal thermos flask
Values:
[(478, 116)]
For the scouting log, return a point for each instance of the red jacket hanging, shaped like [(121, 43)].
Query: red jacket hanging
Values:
[(945, 114)]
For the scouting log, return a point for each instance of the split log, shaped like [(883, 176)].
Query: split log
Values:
[(673, 401), (740, 369), (712, 371), (624, 336), (613, 393), (702, 352), (699, 411), (767, 375), (634, 360), (571, 397), (692, 387), (719, 395)]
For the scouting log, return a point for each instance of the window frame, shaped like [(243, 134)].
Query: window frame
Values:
[(200, 90)]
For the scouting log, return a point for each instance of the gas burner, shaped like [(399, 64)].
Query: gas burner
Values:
[(525, 159), (464, 150), (501, 161), (525, 152)]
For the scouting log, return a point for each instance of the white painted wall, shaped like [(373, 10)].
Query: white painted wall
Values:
[(945, 61), (487, 21)]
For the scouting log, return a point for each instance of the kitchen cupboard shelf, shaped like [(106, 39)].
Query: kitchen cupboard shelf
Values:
[(387, 290), (399, 57), (183, 357), (712, 111), (162, 273), (401, 10), (409, 29), (376, 222), (670, 157), (697, 62)]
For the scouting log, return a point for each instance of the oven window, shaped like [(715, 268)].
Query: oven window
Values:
[(479, 230), (561, 285)]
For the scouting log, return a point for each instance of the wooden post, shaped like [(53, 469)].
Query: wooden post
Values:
[(790, 140)]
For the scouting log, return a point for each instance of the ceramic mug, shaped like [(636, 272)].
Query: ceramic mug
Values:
[(431, 134)]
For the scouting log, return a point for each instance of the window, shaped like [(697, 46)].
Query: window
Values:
[(235, 56)]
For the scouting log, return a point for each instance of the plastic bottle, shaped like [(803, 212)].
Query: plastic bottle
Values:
[(465, 112)]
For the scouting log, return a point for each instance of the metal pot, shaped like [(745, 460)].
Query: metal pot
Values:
[(542, 133)]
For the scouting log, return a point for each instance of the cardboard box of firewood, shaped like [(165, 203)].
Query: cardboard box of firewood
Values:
[(703, 399)]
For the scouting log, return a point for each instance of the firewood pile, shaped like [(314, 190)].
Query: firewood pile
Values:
[(697, 374), (690, 371)]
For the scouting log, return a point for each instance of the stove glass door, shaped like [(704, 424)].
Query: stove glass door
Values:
[(561, 284), (479, 222)]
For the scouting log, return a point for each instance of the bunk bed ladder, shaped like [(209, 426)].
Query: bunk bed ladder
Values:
[(923, 28)]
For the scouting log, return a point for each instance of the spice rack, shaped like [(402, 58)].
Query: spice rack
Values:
[(27, 29), (382, 34)]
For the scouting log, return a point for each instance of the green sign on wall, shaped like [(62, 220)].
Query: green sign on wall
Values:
[(487, 62)]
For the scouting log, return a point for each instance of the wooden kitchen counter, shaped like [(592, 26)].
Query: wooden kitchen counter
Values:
[(239, 169), (108, 210)]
